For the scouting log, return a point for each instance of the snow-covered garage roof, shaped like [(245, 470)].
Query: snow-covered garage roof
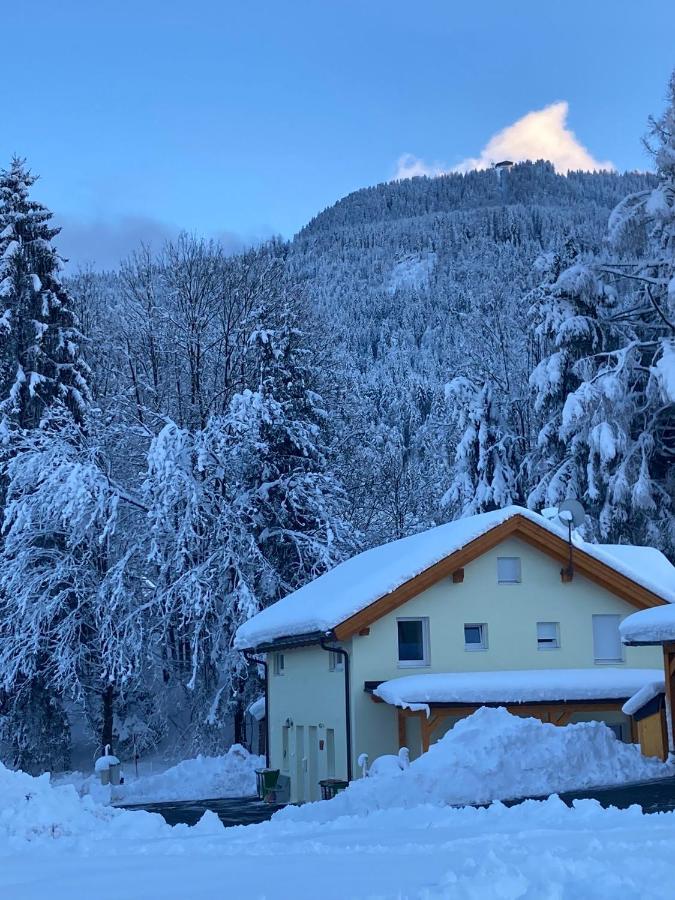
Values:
[(520, 686), (649, 626), (355, 584)]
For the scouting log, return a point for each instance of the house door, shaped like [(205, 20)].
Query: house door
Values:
[(300, 763), (312, 786)]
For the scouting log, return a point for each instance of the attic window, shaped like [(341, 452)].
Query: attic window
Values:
[(508, 570), (279, 663)]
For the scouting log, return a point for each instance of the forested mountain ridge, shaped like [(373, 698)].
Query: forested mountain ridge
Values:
[(423, 280), (189, 438)]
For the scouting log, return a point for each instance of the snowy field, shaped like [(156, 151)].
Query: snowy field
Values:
[(538, 851), (382, 838)]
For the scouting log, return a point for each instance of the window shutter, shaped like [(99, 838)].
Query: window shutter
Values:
[(606, 639), (508, 569)]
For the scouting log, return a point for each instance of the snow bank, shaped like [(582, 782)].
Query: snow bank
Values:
[(518, 686), (202, 778), (535, 851), (649, 626), (34, 811), (493, 755), (356, 583)]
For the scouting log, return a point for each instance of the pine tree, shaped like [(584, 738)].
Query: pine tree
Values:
[(484, 472), (40, 360), (565, 318)]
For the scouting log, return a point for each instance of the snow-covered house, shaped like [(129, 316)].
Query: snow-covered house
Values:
[(393, 646)]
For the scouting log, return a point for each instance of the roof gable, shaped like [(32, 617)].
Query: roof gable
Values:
[(363, 588), (553, 545)]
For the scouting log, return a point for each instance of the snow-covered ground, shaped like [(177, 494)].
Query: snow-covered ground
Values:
[(201, 778), (55, 843), (536, 851)]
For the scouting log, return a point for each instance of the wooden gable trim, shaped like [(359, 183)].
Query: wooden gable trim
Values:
[(531, 533)]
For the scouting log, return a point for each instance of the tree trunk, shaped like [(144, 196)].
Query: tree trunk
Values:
[(107, 729), (239, 723)]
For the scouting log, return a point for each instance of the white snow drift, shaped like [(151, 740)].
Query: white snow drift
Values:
[(493, 755)]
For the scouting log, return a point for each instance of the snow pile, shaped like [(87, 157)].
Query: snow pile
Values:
[(492, 755), (32, 810), (202, 778), (518, 686), (649, 626)]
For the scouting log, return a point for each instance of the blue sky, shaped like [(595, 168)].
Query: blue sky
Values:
[(245, 119)]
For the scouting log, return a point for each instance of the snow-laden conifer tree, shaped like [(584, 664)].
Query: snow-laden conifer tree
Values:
[(616, 424), (483, 474), (40, 359), (565, 321)]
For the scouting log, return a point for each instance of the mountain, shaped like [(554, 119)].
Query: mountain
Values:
[(421, 280)]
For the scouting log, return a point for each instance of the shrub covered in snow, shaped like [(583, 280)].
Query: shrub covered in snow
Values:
[(493, 755)]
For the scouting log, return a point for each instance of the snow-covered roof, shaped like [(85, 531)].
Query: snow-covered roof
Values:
[(643, 696), (518, 686), (353, 585), (649, 626)]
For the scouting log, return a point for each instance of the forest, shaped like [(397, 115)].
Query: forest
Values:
[(188, 438)]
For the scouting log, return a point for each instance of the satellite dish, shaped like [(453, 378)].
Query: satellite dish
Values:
[(571, 513)]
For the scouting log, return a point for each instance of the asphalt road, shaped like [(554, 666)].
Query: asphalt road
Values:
[(652, 796), (234, 811)]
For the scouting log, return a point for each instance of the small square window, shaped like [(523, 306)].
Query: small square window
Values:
[(508, 569), (336, 662), (548, 635), (475, 637), (279, 663), (413, 642)]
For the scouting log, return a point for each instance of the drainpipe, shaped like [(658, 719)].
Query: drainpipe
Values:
[(348, 716), (248, 656)]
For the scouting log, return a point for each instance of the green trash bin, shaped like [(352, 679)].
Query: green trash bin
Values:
[(266, 780), (330, 787)]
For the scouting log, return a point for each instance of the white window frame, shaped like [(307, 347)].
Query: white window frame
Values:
[(601, 660), (477, 648), (543, 643), (426, 654), (279, 665), (336, 662), (519, 579)]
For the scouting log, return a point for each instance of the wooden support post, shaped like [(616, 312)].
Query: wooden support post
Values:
[(669, 670), (401, 729)]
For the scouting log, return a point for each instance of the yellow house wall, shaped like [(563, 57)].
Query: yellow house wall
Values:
[(311, 696), (511, 612)]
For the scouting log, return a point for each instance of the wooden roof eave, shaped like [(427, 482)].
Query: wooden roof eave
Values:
[(532, 533)]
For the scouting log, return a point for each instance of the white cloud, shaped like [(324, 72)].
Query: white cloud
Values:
[(408, 166), (541, 134)]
